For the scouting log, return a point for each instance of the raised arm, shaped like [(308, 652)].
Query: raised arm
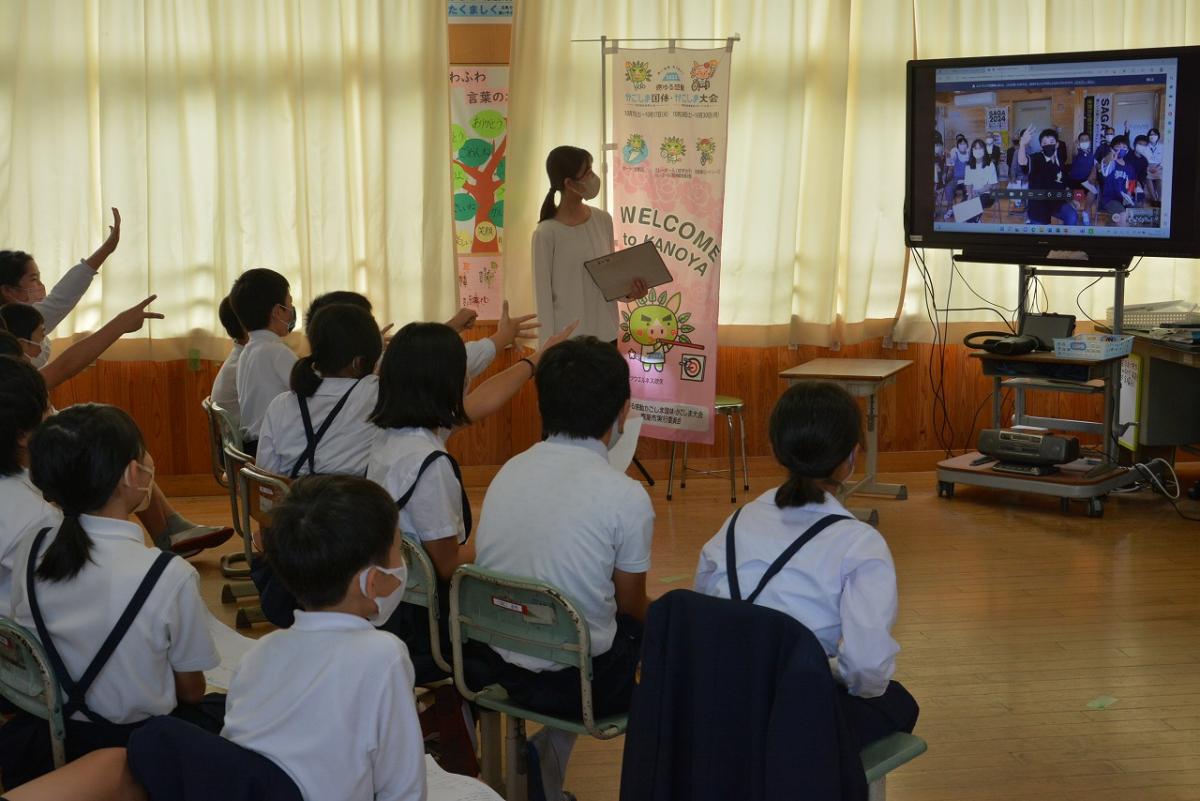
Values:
[(492, 394), (106, 249), (76, 358)]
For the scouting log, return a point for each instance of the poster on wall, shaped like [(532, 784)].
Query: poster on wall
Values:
[(480, 11), (670, 127), (478, 140)]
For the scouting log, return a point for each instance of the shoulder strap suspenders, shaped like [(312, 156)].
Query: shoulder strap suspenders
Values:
[(314, 439), (403, 500), (735, 591), (75, 692)]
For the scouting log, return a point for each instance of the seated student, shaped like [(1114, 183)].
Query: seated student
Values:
[(559, 513), (321, 425), (1141, 159), (1081, 175), (330, 690), (21, 282), (1046, 173), (224, 388), (23, 405), (123, 624), (981, 178), (263, 302), (1119, 180), (170, 530), (841, 583)]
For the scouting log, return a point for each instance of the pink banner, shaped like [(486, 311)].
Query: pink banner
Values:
[(670, 121)]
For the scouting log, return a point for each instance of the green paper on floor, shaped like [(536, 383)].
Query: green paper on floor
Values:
[(1101, 702)]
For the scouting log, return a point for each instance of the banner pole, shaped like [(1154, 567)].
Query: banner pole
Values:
[(604, 119)]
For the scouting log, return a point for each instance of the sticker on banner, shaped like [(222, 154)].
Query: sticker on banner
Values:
[(691, 367), (536, 613), (682, 416)]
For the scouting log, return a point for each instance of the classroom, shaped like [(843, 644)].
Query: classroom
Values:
[(595, 400)]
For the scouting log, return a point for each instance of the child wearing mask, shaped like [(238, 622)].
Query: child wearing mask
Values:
[(262, 300), (1046, 174), (981, 178), (956, 163), (1119, 175), (1081, 174), (1154, 155)]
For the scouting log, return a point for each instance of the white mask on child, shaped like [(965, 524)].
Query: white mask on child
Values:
[(144, 503), (388, 604), (43, 356)]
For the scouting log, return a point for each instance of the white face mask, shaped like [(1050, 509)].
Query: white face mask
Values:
[(978, 153), (1153, 139), (31, 296), (144, 504), (614, 434), (1141, 149), (387, 605), (1085, 144), (987, 142), (43, 356), (590, 186)]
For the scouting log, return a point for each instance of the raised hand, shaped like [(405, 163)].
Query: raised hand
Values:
[(464, 319), (509, 329), (561, 336), (133, 318)]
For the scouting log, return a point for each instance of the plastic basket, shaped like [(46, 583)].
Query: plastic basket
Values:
[(1093, 347)]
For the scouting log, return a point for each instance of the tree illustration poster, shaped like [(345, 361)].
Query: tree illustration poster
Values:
[(670, 121), (478, 140)]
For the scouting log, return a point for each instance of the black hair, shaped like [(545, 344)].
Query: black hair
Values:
[(229, 320), (814, 427), (421, 379), (77, 459), (1139, 139), (337, 335), (1120, 139), (987, 155), (23, 403), (255, 295), (959, 138), (12, 266), (582, 384), (1108, 128), (10, 345), (20, 319), (1155, 132), (1082, 134), (327, 529), (564, 161), (937, 137), (1048, 132), (336, 296)]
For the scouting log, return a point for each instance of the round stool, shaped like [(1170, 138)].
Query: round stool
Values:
[(726, 405)]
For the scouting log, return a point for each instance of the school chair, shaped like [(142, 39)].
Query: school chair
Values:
[(27, 681), (258, 491), (883, 756), (531, 618), (421, 591), (224, 432), (727, 406)]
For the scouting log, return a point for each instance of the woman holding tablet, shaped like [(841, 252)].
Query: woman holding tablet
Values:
[(569, 233)]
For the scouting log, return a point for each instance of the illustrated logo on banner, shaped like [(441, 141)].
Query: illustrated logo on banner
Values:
[(670, 122), (478, 140)]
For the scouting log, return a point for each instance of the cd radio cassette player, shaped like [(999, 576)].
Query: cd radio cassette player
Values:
[(1027, 447)]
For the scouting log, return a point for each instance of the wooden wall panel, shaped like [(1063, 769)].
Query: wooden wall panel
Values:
[(164, 397)]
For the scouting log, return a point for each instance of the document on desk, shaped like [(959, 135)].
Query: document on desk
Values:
[(616, 272), (443, 786)]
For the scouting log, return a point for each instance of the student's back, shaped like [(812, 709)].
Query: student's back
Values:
[(263, 303)]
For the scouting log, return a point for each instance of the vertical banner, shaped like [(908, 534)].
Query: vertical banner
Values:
[(478, 139), (670, 126), (1101, 107)]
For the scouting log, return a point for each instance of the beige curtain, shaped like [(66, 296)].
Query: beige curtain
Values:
[(304, 135), (813, 247), (947, 28)]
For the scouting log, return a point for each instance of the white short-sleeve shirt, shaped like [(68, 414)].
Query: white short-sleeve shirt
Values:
[(263, 372), (559, 513), (25, 512), (330, 701), (841, 585), (224, 388), (434, 512), (170, 634), (346, 444)]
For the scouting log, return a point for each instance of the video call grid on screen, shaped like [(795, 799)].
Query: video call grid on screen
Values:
[(1133, 97)]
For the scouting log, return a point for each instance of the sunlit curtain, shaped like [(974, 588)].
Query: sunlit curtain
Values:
[(304, 135), (949, 28), (813, 248)]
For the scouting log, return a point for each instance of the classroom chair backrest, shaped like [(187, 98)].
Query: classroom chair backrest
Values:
[(228, 427), (261, 491), (27, 681), (422, 590), (235, 460), (216, 443), (522, 615)]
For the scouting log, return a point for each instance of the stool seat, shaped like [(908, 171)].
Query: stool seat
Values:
[(725, 404)]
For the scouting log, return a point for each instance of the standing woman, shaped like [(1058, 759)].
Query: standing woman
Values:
[(569, 233)]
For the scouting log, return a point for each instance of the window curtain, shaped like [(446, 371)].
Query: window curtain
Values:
[(948, 29), (813, 250), (308, 136)]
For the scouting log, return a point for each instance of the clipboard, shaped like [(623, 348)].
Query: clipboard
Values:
[(615, 273)]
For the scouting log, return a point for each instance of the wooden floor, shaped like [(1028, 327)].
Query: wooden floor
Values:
[(1054, 656)]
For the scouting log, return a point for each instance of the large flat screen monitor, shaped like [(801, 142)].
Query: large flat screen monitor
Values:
[(1023, 155)]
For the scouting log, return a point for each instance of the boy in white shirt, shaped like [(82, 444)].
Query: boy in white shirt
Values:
[(559, 513), (330, 700), (224, 388), (840, 581), (263, 302)]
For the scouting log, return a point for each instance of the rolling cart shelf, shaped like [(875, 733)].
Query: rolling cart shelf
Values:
[(1071, 482)]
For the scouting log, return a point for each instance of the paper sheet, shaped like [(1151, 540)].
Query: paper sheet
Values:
[(443, 786), (616, 272), (232, 647), (621, 456), (968, 209)]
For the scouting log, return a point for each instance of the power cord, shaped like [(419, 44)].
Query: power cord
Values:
[(1172, 498)]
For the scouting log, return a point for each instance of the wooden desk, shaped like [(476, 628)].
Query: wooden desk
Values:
[(862, 378)]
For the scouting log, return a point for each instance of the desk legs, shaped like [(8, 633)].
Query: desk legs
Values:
[(869, 483)]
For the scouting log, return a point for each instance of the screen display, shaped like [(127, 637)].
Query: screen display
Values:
[(1083, 149)]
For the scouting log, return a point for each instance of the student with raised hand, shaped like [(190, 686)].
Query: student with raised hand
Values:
[(124, 625), (797, 550), (262, 300), (322, 425), (330, 700), (224, 388), (587, 532), (21, 282)]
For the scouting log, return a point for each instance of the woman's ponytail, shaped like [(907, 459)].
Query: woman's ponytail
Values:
[(814, 428), (69, 551), (549, 207), (798, 491), (338, 334), (304, 379)]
